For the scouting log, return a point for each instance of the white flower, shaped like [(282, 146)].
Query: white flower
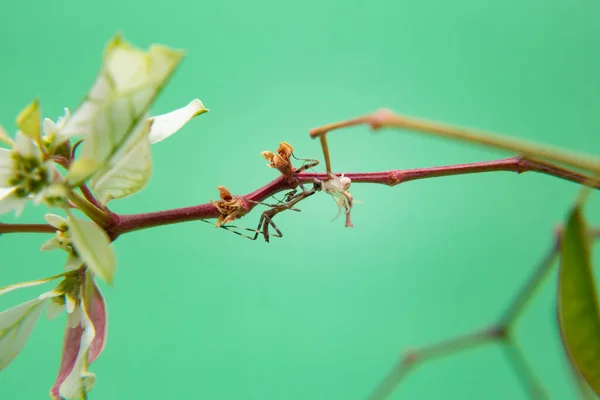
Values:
[(23, 174), (53, 135), (61, 240), (338, 187)]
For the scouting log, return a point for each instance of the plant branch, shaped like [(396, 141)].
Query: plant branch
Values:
[(524, 372), (94, 213), (502, 333), (387, 119), (26, 228), (443, 349), (517, 305), (133, 222), (89, 196)]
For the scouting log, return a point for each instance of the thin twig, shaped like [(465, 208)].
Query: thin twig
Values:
[(517, 305), (502, 332), (388, 119), (443, 349), (524, 372)]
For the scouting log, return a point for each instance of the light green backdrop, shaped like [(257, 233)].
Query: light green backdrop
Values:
[(198, 313)]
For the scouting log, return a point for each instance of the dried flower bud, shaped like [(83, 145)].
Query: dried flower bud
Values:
[(281, 160), (224, 193), (229, 206), (285, 150)]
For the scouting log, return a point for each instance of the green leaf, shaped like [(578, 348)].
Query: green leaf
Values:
[(578, 312), (29, 121), (128, 83), (93, 247), (16, 325)]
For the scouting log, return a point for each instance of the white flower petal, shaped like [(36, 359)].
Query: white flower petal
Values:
[(165, 125), (22, 285), (9, 202), (74, 318), (4, 138), (16, 324), (53, 310), (49, 126), (26, 147), (73, 262), (93, 246), (80, 381), (70, 303), (56, 221), (50, 244), (6, 167), (62, 121)]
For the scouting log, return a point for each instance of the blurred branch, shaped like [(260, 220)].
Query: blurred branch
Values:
[(446, 348), (387, 119), (501, 332), (524, 372)]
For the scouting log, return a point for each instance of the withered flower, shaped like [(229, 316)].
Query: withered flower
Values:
[(339, 188), (281, 160), (229, 206)]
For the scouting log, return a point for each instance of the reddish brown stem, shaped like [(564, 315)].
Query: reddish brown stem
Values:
[(26, 228), (87, 193), (132, 222)]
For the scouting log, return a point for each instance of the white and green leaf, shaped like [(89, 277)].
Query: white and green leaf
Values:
[(16, 325), (93, 247), (128, 172), (126, 86)]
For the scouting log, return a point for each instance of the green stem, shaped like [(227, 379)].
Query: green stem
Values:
[(95, 214), (524, 371), (389, 383)]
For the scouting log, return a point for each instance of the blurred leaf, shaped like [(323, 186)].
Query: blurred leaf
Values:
[(93, 247), (4, 138), (16, 325), (578, 313), (29, 121)]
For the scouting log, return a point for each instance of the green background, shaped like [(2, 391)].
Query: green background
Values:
[(324, 312)]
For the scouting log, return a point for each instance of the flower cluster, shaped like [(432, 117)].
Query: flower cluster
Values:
[(83, 160)]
